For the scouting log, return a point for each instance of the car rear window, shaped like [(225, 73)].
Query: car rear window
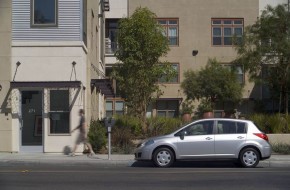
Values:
[(231, 127)]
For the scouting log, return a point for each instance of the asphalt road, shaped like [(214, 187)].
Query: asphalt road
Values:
[(184, 176)]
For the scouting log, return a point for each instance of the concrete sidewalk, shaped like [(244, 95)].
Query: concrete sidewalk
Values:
[(57, 158), (102, 159)]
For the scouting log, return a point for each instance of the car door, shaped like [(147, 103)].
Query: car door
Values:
[(197, 141), (230, 137)]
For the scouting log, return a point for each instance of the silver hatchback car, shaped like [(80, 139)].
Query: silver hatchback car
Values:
[(208, 139)]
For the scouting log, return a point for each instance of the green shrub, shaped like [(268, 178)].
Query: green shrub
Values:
[(97, 135), (274, 123), (260, 121), (121, 139), (133, 123), (281, 148), (162, 125)]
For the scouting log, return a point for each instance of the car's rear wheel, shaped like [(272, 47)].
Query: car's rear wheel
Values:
[(249, 158), (163, 157)]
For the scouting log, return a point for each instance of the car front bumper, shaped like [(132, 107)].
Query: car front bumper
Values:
[(143, 153)]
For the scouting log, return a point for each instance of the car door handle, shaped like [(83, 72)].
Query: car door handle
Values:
[(240, 137), (208, 138)]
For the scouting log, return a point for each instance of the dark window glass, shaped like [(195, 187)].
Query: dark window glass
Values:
[(216, 22), (174, 79), (227, 22), (200, 128), (231, 127), (217, 41), (238, 22), (170, 30), (167, 108), (44, 12), (223, 31), (59, 111)]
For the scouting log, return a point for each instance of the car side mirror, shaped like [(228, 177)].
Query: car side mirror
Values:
[(182, 134)]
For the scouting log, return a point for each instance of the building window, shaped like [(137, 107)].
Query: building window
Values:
[(111, 35), (170, 30), (114, 107), (44, 12), (167, 108), (59, 112), (224, 30), (239, 71), (174, 79)]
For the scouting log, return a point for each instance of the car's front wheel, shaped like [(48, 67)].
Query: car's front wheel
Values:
[(163, 157), (249, 157)]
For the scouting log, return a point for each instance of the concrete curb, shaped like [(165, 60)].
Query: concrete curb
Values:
[(9, 159)]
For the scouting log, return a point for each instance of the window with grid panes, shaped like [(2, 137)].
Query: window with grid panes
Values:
[(174, 79), (167, 108), (225, 30), (239, 71), (170, 30)]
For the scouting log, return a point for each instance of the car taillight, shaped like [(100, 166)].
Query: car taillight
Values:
[(262, 136)]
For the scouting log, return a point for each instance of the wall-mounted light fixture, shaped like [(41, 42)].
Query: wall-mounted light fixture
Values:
[(73, 70), (17, 65), (194, 52)]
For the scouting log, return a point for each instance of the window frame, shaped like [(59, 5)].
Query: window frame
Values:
[(167, 110), (210, 123), (233, 68), (167, 26), (222, 26), (34, 25), (170, 81), (59, 111), (236, 123), (113, 110)]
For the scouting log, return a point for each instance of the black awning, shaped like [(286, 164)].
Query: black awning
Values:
[(105, 86), (47, 84)]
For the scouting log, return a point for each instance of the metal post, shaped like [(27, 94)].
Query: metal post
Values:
[(109, 141)]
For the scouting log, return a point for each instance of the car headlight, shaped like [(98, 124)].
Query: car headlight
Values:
[(146, 143)]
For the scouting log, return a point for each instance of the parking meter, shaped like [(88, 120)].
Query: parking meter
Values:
[(109, 123)]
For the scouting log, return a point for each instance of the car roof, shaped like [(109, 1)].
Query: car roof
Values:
[(224, 119)]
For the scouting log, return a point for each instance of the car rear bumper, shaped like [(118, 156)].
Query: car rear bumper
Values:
[(266, 152)]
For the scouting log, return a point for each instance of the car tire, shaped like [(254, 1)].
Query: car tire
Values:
[(163, 157), (249, 157)]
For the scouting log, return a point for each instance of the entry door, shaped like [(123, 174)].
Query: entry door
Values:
[(31, 129)]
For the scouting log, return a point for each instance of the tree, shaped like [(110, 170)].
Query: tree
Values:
[(212, 83), (141, 43), (266, 45)]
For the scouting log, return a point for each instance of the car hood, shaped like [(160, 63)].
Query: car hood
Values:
[(160, 137)]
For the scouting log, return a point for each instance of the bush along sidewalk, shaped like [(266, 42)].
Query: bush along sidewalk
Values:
[(272, 123), (281, 148), (97, 136)]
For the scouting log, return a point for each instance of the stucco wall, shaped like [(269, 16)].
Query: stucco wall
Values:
[(195, 31), (5, 73), (51, 61)]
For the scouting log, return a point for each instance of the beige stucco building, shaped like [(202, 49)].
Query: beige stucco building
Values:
[(197, 31), (51, 65)]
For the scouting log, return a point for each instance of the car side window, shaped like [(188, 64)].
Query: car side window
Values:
[(231, 127), (200, 128)]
